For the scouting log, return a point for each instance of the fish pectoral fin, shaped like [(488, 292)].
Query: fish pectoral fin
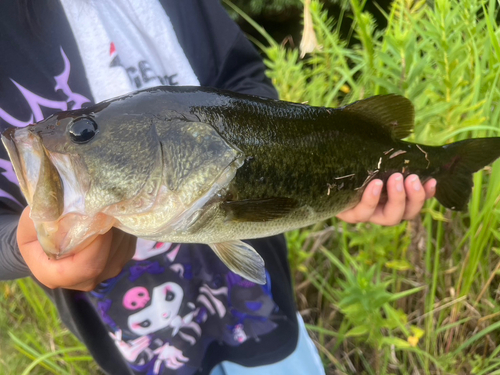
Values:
[(392, 113), (242, 259), (258, 210)]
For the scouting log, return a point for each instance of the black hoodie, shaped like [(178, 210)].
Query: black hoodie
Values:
[(256, 325)]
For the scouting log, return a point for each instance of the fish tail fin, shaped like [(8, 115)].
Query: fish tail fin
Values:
[(461, 160)]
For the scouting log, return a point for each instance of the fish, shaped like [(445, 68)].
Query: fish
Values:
[(203, 165)]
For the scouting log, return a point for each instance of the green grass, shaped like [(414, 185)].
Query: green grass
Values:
[(419, 298), (32, 339)]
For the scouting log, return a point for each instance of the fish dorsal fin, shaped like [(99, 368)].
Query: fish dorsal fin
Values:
[(242, 259), (392, 113), (258, 210)]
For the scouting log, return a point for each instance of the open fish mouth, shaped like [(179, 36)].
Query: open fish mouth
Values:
[(23, 147), (54, 194), (38, 177), (39, 181)]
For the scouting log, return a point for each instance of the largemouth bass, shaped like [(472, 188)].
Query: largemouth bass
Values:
[(191, 164)]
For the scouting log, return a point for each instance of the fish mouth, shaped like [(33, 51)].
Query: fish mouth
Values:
[(38, 177), (55, 193), (17, 142), (39, 181)]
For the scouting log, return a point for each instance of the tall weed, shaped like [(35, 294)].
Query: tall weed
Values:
[(422, 297)]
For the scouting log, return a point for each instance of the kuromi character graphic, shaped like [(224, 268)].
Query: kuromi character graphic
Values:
[(162, 310)]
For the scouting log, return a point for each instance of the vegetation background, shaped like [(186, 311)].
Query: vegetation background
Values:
[(419, 298)]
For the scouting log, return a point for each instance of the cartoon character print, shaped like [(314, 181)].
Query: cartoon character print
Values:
[(171, 301), (146, 249), (161, 313)]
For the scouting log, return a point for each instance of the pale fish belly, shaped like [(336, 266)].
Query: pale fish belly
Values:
[(214, 227)]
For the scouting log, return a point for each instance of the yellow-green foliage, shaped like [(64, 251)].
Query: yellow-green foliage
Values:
[(422, 297)]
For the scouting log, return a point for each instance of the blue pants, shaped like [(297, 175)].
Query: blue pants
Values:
[(304, 360)]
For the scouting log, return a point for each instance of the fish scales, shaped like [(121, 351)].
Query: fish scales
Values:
[(316, 147), (190, 164)]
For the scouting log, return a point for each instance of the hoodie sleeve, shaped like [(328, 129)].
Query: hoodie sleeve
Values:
[(12, 203), (12, 265)]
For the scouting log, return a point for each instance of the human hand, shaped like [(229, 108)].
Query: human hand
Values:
[(103, 258), (405, 200)]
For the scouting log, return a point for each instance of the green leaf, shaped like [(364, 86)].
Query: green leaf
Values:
[(398, 343), (399, 265), (358, 331)]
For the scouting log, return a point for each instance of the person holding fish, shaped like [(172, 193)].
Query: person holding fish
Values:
[(147, 306)]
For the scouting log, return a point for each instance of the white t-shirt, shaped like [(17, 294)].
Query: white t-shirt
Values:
[(127, 45)]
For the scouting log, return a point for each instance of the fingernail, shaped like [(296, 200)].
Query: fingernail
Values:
[(432, 185), (378, 188), (399, 183), (415, 183)]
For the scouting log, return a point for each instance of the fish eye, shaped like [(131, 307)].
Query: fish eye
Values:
[(82, 130)]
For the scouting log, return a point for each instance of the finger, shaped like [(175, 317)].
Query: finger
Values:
[(93, 259), (430, 188), (67, 272), (392, 212), (366, 207), (115, 262), (123, 249), (33, 254), (26, 232), (415, 197)]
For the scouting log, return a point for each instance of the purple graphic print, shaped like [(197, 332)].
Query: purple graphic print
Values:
[(164, 310), (36, 102), (74, 100)]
